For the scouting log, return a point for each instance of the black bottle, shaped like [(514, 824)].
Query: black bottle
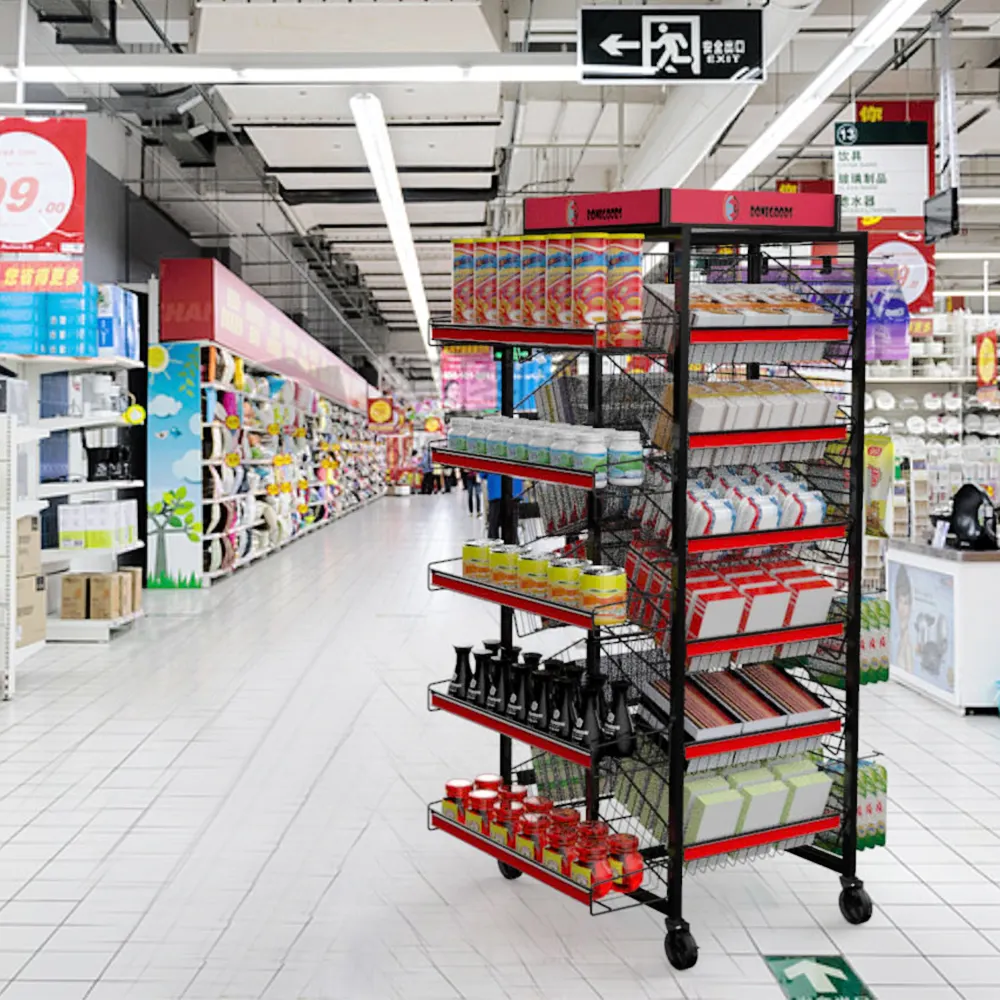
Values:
[(476, 694), (496, 685), (586, 729), (517, 692), (458, 686), (493, 645), (574, 673), (618, 722), (560, 707), (539, 681)]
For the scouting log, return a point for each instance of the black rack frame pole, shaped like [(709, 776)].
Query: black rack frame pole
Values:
[(595, 405), (678, 631), (508, 532)]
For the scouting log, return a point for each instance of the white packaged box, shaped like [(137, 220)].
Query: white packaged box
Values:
[(72, 526)]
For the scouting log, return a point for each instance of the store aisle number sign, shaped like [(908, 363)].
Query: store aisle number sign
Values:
[(880, 168), (826, 976), (670, 45)]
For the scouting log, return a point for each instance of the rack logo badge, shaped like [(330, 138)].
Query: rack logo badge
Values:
[(572, 212), (732, 208)]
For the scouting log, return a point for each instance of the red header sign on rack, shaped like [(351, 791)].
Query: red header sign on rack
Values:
[(610, 209), (202, 300), (751, 209)]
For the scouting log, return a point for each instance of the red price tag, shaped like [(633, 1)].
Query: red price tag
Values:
[(36, 188)]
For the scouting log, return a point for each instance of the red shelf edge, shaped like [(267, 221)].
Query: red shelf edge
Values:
[(503, 466), (769, 334), (510, 599), (755, 539), (709, 748), (487, 846), (777, 435), (713, 847), (752, 640), (528, 336), (525, 735)]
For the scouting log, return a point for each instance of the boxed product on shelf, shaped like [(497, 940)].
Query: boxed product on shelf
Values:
[(29, 546), (31, 590), (110, 595), (117, 322), (14, 398), (74, 602), (71, 323), (72, 526)]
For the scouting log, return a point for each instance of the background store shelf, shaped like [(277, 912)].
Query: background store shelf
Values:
[(525, 734), (87, 629), (46, 363), (48, 490), (62, 555), (522, 470), (53, 424)]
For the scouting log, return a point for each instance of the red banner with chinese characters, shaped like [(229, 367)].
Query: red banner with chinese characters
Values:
[(986, 359), (43, 185), (899, 243), (902, 111), (381, 415), (40, 276), (202, 300)]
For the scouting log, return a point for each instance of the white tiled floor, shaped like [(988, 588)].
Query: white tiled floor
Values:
[(229, 803)]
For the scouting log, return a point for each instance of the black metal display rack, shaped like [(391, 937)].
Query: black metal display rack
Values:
[(643, 791)]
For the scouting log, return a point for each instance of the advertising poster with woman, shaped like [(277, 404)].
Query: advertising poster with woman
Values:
[(922, 628)]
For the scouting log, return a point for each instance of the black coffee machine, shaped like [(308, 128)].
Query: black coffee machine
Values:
[(973, 520)]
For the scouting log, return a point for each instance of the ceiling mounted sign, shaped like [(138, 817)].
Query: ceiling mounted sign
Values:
[(670, 45), (880, 168)]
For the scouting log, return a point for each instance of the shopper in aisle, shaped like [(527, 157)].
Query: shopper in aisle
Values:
[(493, 487), (426, 473), (474, 491)]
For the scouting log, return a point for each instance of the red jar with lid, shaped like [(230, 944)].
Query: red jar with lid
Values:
[(590, 868), (513, 793), (565, 817), (503, 824), (625, 861), (488, 782), (536, 804), (530, 840), (456, 793), (478, 808), (592, 832), (560, 847)]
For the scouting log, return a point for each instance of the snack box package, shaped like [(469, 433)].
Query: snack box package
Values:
[(807, 796), (711, 516), (785, 769), (714, 612), (758, 513), (810, 603), (766, 606), (748, 776), (741, 701), (706, 409), (714, 815), (509, 306), (763, 804), (800, 705), (803, 509), (534, 310), (463, 296), (696, 786)]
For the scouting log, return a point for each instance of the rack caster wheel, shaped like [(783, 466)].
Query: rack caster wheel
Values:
[(681, 949), (855, 904), (509, 871)]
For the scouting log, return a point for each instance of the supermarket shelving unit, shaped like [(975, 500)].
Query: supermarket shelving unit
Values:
[(664, 755)]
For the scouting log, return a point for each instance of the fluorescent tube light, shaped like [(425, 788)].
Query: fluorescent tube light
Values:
[(374, 135), (879, 27), (132, 73), (6, 75), (980, 201), (967, 255), (965, 292)]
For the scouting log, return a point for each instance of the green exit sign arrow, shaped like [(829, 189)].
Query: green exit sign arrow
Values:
[(807, 977)]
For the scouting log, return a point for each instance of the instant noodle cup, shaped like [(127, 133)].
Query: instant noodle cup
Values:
[(603, 592), (476, 558), (564, 580), (509, 280), (503, 566), (533, 574), (463, 295)]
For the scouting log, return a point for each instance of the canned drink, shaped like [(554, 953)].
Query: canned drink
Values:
[(486, 282), (603, 592), (533, 305), (503, 566), (463, 297), (590, 283), (624, 256), (533, 574), (564, 580), (559, 280), (509, 280), (476, 558)]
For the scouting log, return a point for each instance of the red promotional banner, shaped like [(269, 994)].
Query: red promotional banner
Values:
[(43, 185), (381, 415), (202, 300), (986, 358), (902, 111), (40, 276), (899, 243), (751, 208), (807, 186), (609, 210)]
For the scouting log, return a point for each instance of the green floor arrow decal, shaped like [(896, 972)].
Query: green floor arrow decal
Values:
[(823, 976)]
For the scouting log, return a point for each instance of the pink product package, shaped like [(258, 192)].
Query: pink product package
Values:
[(509, 282), (463, 284), (486, 282), (559, 280), (624, 256), (590, 282), (534, 311)]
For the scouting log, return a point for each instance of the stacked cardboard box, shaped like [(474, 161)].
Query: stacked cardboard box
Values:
[(30, 583), (105, 596)]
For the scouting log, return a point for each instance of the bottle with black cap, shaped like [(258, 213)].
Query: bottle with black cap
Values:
[(458, 686), (478, 684)]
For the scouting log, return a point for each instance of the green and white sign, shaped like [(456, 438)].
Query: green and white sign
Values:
[(826, 976)]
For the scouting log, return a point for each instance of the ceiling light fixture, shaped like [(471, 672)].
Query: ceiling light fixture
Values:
[(374, 135), (967, 255), (877, 30), (978, 201), (98, 74), (961, 292)]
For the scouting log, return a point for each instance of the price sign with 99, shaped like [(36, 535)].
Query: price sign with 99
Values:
[(42, 185)]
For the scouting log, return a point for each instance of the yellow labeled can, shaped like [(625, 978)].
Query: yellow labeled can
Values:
[(503, 566), (564, 580), (603, 592), (533, 574), (476, 558)]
